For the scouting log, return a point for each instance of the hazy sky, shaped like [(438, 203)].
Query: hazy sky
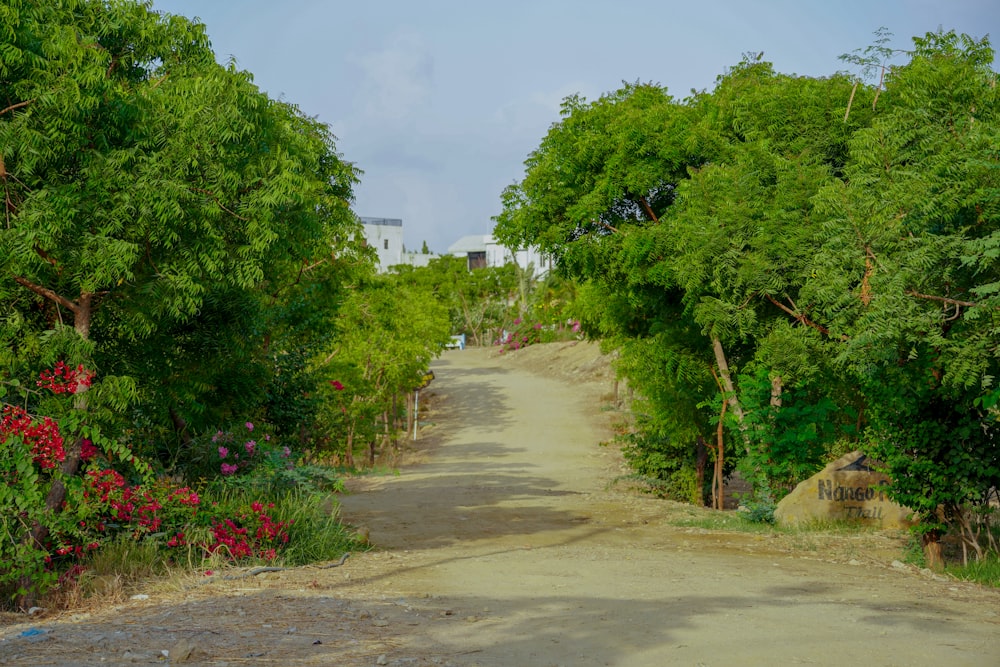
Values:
[(440, 101)]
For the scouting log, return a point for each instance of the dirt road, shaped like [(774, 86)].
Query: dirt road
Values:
[(506, 547)]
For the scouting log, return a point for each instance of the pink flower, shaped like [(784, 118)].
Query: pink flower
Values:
[(249, 426), (286, 452), (337, 384), (250, 446), (228, 469), (223, 452)]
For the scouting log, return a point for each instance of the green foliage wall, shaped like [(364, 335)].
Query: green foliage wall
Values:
[(164, 207)]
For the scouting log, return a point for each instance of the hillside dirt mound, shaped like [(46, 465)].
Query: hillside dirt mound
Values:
[(505, 540)]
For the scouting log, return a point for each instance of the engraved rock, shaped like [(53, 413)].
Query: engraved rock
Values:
[(847, 489)]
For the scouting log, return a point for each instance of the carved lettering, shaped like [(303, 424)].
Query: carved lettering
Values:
[(827, 491)]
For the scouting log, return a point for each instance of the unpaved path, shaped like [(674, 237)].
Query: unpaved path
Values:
[(506, 547)]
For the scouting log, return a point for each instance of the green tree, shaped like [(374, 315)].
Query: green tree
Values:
[(682, 216), (477, 300), (387, 333), (907, 275), (149, 194), (821, 236), (150, 189)]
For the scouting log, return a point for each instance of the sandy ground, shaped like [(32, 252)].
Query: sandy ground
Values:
[(506, 544)]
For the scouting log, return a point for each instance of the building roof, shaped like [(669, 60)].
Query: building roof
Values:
[(467, 244), (388, 222)]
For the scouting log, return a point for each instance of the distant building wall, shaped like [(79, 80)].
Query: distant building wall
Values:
[(484, 251), (417, 259), (385, 235), (498, 255)]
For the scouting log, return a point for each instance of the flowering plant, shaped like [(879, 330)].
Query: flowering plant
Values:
[(524, 334), (33, 449), (115, 494), (41, 437), (252, 534), (238, 454)]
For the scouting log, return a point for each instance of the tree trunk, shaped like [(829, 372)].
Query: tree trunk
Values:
[(349, 453), (394, 431), (701, 458), (727, 381), (718, 486), (386, 431), (776, 387), (932, 549), (82, 314), (71, 464), (180, 427), (409, 413)]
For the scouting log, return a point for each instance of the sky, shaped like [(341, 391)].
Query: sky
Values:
[(439, 102)]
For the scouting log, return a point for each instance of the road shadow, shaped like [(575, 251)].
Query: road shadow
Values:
[(475, 484), (469, 396)]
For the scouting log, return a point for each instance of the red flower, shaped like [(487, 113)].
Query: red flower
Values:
[(42, 436), (88, 451), (65, 380)]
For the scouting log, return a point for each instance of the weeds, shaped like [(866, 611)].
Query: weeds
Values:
[(985, 571)]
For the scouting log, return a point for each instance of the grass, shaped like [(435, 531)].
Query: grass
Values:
[(739, 522), (985, 572), (722, 520), (109, 574), (810, 536), (315, 533)]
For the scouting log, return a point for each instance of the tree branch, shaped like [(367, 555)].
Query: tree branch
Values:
[(878, 90), (46, 256), (606, 225), (159, 81), (851, 101), (330, 357), (306, 267), (221, 205), (800, 317), (47, 293), (649, 209), (12, 107), (944, 299), (866, 288)]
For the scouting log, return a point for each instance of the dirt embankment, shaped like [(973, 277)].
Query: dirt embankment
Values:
[(507, 544)]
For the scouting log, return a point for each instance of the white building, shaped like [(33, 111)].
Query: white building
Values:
[(498, 255), (473, 248), (385, 235), (483, 251)]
